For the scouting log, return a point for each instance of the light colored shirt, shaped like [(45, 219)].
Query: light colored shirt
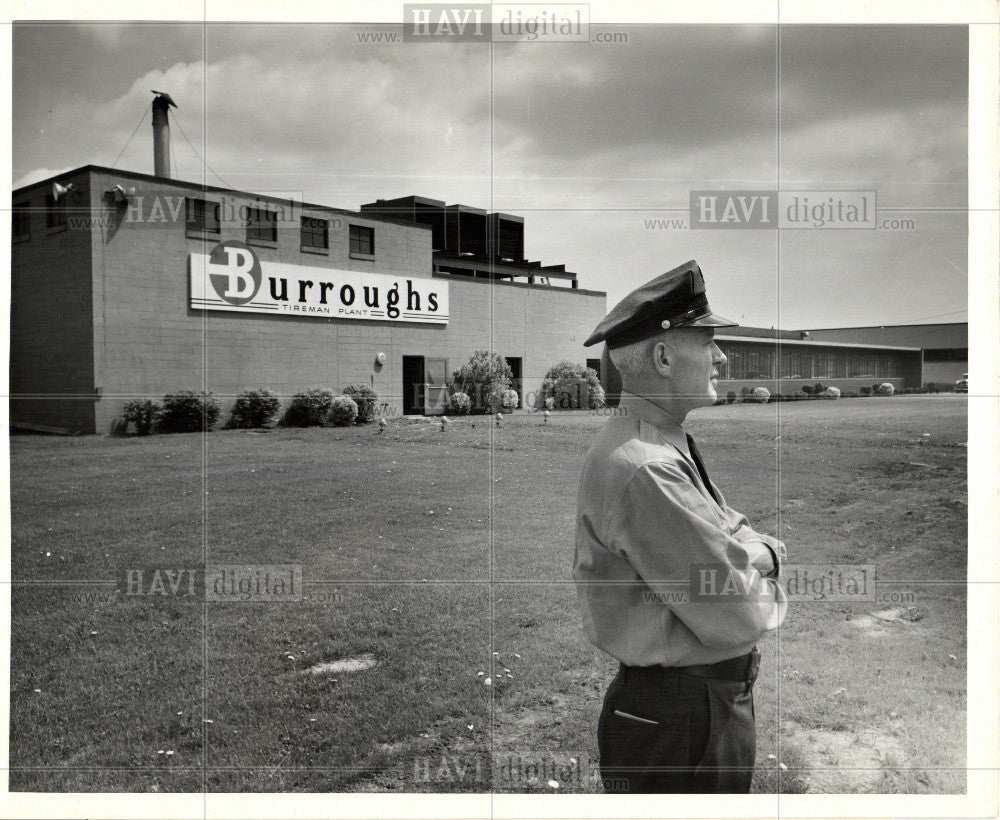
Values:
[(649, 534)]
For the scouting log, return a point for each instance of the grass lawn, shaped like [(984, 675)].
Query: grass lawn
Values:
[(445, 558)]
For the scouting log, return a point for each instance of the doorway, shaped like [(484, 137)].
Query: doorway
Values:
[(516, 381), (425, 390)]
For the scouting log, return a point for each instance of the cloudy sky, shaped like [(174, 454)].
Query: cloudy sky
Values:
[(590, 142)]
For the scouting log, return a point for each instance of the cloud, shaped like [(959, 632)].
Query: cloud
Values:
[(37, 175)]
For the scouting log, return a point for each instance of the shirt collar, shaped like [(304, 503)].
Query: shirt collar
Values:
[(668, 430)]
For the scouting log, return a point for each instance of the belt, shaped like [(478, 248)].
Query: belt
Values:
[(743, 668)]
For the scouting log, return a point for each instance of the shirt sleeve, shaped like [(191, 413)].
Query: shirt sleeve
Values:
[(769, 560), (668, 532)]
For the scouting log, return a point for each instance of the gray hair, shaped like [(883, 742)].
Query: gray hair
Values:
[(633, 359)]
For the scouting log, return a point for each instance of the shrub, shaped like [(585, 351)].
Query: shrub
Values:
[(875, 388), (730, 397), (865, 391), (761, 395), (744, 393), (508, 401), (484, 379), (343, 411), (308, 409), (832, 392), (189, 412), (886, 389), (807, 389), (930, 387), (254, 408), (459, 404), (818, 388), (571, 386), (365, 398), (143, 413), (851, 394)]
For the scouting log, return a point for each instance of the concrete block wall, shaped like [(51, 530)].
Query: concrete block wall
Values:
[(149, 342), (51, 325)]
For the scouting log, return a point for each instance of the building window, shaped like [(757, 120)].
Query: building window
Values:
[(315, 233), (861, 366), (55, 212), (20, 223), (795, 364), (201, 215), (262, 225), (362, 240)]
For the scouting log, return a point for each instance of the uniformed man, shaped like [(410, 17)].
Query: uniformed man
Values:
[(673, 583)]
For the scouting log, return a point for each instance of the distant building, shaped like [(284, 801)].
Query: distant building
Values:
[(945, 345), (784, 361)]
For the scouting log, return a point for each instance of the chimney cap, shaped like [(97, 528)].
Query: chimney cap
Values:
[(164, 96)]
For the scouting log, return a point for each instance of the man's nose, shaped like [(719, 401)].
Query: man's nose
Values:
[(718, 357)]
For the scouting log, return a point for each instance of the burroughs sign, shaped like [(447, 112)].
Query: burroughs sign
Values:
[(232, 278)]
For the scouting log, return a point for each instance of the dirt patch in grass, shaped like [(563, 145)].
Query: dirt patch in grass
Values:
[(841, 761), (356, 664)]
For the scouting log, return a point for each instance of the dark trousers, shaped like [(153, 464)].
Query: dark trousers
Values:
[(664, 731)]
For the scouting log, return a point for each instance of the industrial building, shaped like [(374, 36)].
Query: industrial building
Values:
[(132, 285), (945, 346)]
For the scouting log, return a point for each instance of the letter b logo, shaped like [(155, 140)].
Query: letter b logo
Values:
[(234, 270)]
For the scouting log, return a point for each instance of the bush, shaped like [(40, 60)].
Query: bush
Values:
[(365, 398), (508, 401), (143, 413), (886, 389), (818, 389), (484, 379), (761, 395), (343, 411), (254, 408), (807, 389), (865, 392), (730, 397), (571, 387), (851, 394), (832, 392), (308, 409), (744, 393), (459, 404), (930, 387), (189, 412)]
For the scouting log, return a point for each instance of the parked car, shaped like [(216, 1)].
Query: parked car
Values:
[(962, 385)]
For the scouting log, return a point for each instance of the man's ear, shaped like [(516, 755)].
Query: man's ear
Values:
[(661, 358)]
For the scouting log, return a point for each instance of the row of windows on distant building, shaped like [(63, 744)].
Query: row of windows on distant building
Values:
[(765, 362), (202, 219)]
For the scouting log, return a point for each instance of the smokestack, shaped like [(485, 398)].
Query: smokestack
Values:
[(161, 134)]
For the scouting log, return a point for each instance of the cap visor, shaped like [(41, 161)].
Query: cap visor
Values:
[(712, 320)]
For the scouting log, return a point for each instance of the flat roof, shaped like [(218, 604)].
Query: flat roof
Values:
[(885, 327), (197, 186), (811, 343)]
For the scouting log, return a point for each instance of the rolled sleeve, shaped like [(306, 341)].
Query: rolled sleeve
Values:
[(667, 531)]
